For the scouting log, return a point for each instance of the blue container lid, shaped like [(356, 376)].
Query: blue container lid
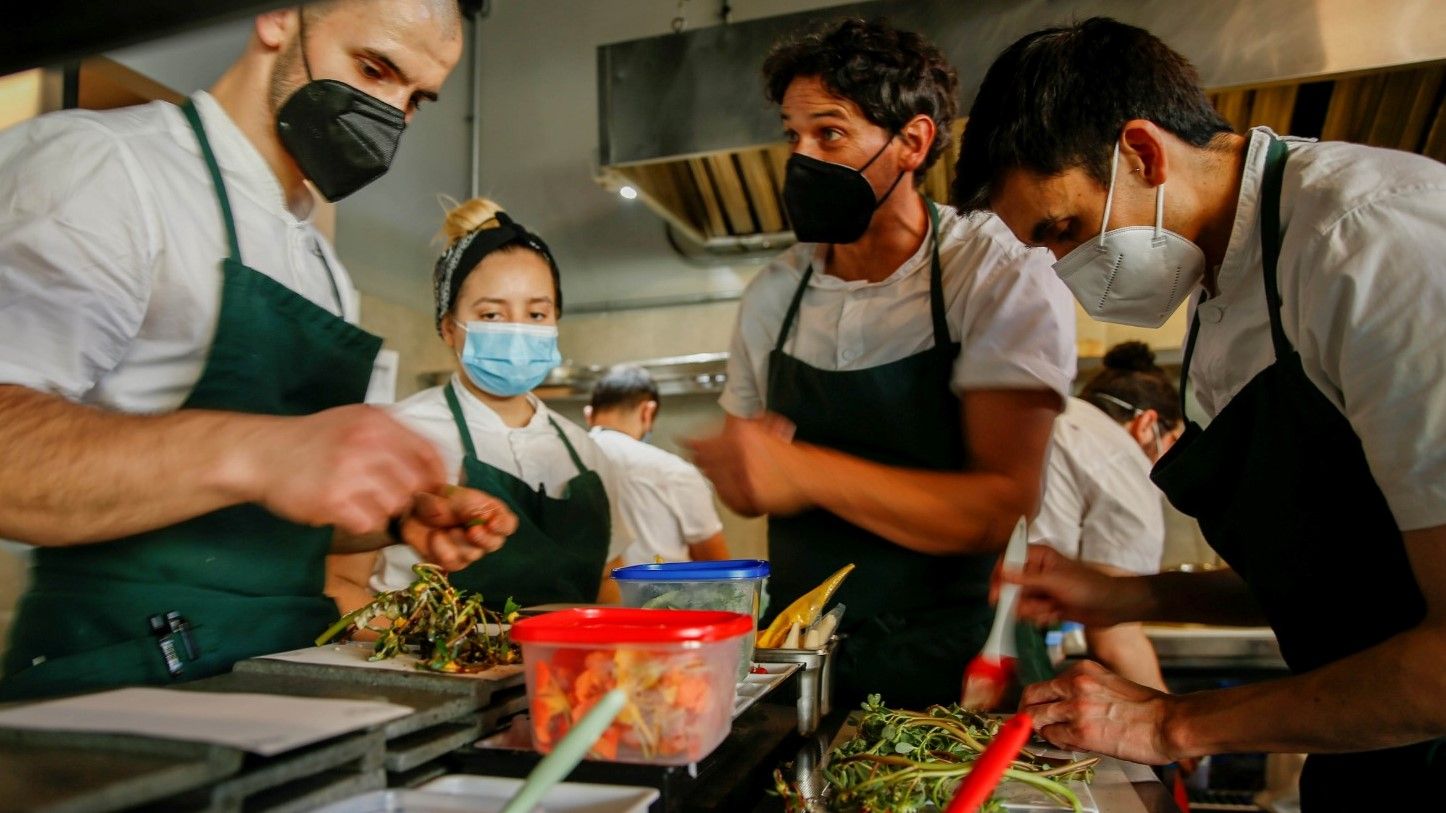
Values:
[(694, 571)]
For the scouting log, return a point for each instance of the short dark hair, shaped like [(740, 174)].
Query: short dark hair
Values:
[(1131, 375), (625, 386), (1058, 98), (891, 75)]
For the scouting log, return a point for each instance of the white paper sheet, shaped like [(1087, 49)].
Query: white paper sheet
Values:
[(356, 655), (264, 724)]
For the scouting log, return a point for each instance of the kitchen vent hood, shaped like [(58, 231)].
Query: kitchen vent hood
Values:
[(683, 120)]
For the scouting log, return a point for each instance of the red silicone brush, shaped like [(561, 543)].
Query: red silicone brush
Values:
[(974, 791), (988, 675)]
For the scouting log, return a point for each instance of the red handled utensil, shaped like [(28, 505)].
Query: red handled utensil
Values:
[(988, 675), (976, 788)]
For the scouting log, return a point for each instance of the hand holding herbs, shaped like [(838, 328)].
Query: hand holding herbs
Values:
[(906, 761), (457, 526), (450, 629)]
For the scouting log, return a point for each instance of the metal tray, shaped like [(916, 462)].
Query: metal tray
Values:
[(815, 689)]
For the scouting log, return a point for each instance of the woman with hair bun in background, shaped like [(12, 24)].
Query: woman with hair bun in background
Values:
[(498, 298), (1100, 506)]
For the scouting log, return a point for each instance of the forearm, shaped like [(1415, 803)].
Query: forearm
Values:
[(1126, 651), (343, 543), (608, 591), (934, 512), (1386, 696), (73, 474), (348, 580), (1215, 597)]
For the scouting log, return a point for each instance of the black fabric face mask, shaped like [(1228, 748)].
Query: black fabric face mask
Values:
[(341, 137), (830, 203)]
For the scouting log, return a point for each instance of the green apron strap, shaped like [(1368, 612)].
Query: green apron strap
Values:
[(793, 308), (461, 422), (1270, 184), (936, 281), (456, 408), (936, 290), (194, 118), (571, 452), (1189, 353)]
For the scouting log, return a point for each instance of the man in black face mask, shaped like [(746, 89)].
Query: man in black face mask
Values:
[(180, 378), (894, 377)]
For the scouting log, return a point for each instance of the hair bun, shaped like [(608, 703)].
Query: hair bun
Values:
[(1131, 356), (469, 216)]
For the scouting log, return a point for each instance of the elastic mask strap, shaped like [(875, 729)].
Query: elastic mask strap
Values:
[(871, 161), (301, 40), (1159, 211), (1110, 196), (887, 192)]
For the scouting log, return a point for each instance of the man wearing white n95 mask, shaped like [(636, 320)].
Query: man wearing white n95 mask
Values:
[(1318, 350), (665, 498)]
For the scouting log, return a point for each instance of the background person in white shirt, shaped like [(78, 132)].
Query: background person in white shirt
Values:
[(1318, 352), (1099, 504), (498, 299), (179, 378), (921, 354), (666, 500)]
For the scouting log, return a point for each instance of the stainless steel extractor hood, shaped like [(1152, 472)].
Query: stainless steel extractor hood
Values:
[(684, 122)]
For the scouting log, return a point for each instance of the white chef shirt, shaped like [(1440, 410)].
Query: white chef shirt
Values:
[(111, 244), (1003, 301), (665, 499), (532, 453), (1099, 503), (1362, 275)]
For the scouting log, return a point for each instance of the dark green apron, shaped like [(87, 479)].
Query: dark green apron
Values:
[(913, 620), (1281, 488), (246, 582), (560, 547)]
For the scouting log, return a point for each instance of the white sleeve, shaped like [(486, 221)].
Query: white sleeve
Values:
[(1061, 507), (1017, 330), (1123, 524), (76, 257), (741, 397), (623, 534), (690, 498), (1374, 312)]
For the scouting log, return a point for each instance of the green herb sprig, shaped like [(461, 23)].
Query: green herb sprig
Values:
[(450, 629), (908, 761)]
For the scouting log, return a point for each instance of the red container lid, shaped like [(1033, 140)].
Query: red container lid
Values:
[(620, 625)]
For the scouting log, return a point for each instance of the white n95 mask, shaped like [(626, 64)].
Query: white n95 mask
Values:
[(1137, 275)]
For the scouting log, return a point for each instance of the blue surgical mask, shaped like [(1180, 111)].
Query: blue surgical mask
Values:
[(509, 358)]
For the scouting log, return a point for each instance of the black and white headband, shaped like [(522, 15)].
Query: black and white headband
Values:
[(471, 249)]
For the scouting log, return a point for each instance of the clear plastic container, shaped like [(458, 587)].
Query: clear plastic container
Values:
[(677, 667), (734, 585)]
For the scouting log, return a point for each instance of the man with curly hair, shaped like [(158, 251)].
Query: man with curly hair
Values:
[(894, 377)]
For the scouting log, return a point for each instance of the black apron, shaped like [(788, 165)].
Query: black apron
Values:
[(1281, 488), (560, 547), (913, 621), (246, 581)]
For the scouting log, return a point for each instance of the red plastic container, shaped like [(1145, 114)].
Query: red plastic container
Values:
[(677, 667)]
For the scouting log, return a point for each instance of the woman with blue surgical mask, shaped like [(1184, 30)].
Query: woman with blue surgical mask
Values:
[(498, 299)]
